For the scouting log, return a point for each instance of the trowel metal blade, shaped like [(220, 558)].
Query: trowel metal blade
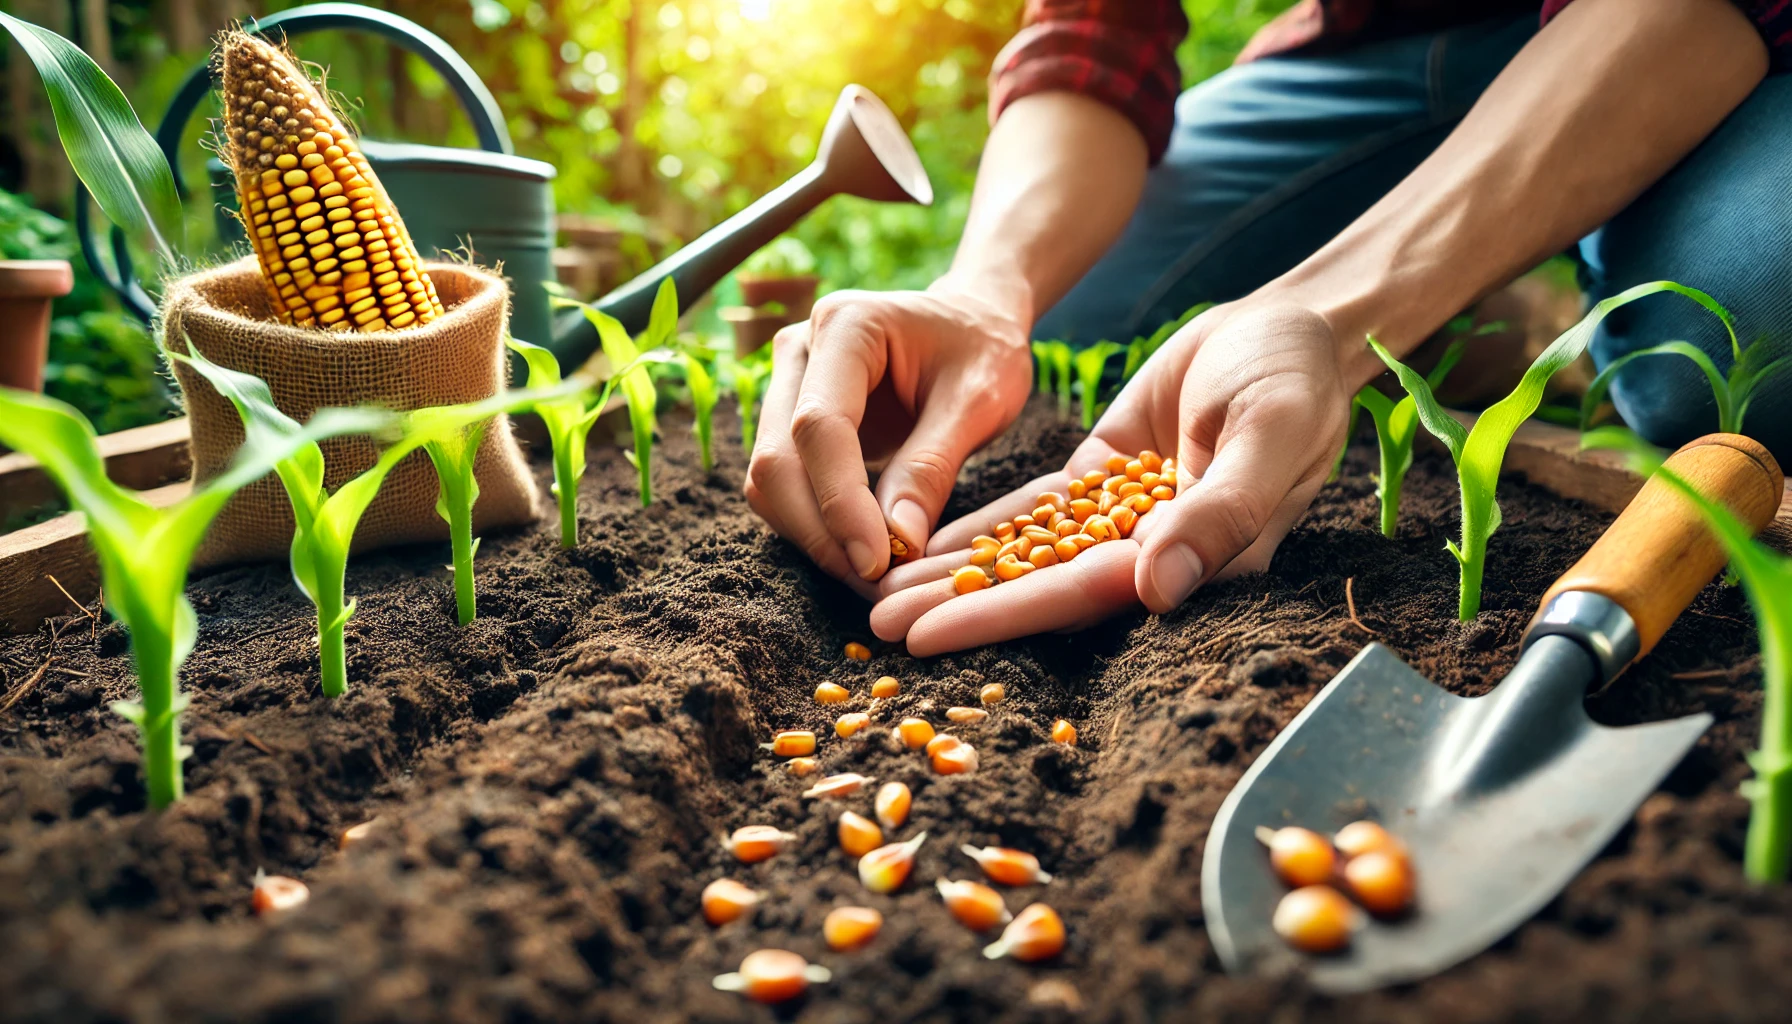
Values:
[(1374, 744)]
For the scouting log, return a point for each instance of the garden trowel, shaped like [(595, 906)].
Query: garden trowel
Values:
[(1500, 799)]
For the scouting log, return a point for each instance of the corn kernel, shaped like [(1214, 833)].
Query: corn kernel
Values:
[(275, 893), (1381, 881), (831, 693), (1021, 522), (1112, 485), (956, 759), (1005, 532), (1036, 933), (1006, 866), (1128, 489), (966, 716), (1125, 519), (913, 733), (886, 868), (850, 723), (836, 786), (791, 743), (772, 976), (850, 928), (725, 900), (1043, 555), (1100, 528), (892, 804), (1076, 489), (1021, 547), (1012, 569), (1360, 837), (1299, 856), (1315, 918), (858, 651), (886, 687), (1066, 527), (1162, 492), (1072, 546), (968, 579), (941, 742), (1093, 480), (858, 834), (1152, 461), (1116, 465), (751, 844), (1043, 513), (1134, 470), (993, 693), (1063, 732), (899, 550), (977, 906), (802, 767), (356, 833), (1107, 502), (983, 550), (1051, 499)]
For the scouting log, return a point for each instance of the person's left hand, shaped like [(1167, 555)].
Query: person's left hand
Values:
[(1249, 398)]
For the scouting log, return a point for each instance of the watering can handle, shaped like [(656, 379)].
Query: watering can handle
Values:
[(482, 110), (1660, 553)]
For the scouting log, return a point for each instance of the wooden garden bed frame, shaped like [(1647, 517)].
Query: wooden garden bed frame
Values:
[(155, 459)]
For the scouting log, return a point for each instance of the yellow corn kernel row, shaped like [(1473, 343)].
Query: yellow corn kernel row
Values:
[(1100, 506), (332, 248)]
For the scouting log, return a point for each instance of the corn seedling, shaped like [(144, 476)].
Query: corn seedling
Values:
[(1141, 349), (1090, 363), (144, 552), (569, 419), (1766, 577), (704, 395), (1480, 452), (1054, 374), (749, 377), (1396, 427), (637, 384), (333, 251), (324, 523), (1733, 392)]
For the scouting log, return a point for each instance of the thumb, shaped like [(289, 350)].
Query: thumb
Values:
[(918, 479)]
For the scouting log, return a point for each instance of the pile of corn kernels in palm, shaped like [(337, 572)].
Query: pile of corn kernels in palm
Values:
[(776, 975), (1101, 505)]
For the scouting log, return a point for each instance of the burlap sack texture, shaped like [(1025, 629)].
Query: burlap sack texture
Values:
[(458, 358)]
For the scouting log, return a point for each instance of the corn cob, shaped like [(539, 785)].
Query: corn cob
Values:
[(332, 248), (1099, 506)]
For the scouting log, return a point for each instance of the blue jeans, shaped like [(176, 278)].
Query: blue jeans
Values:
[(1271, 159)]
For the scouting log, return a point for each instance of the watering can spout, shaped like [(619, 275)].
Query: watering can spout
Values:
[(864, 152)]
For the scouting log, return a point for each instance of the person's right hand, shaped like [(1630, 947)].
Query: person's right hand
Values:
[(913, 381)]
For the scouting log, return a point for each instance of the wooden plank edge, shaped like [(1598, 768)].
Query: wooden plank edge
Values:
[(141, 458), (57, 547)]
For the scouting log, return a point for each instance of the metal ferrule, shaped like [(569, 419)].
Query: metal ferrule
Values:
[(1595, 622)]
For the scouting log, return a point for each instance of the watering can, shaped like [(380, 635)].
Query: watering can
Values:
[(863, 152)]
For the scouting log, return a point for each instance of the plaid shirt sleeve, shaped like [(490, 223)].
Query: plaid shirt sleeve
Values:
[(1121, 52)]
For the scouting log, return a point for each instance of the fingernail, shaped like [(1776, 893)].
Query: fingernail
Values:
[(864, 560), (1174, 574), (910, 520)]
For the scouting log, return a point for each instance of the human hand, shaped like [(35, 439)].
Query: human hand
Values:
[(1250, 399), (912, 381)]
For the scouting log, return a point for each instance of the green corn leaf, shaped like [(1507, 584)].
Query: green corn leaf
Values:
[(145, 552), (1480, 452), (1720, 388), (1766, 577), (637, 384), (1090, 363), (1757, 364), (1042, 367), (108, 147)]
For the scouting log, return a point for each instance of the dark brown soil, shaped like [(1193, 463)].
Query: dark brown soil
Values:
[(551, 783)]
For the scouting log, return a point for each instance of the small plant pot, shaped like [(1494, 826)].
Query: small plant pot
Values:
[(753, 328), (796, 294), (27, 288)]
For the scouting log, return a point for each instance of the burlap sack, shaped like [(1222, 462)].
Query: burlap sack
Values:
[(457, 358)]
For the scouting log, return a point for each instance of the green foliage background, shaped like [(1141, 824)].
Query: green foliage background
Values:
[(664, 116)]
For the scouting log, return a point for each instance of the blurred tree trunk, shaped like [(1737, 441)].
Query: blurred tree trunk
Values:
[(96, 34), (47, 174), (186, 25), (632, 179)]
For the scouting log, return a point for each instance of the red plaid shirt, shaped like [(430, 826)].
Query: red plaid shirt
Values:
[(1123, 52)]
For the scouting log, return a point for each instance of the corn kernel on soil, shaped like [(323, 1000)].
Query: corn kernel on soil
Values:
[(552, 790)]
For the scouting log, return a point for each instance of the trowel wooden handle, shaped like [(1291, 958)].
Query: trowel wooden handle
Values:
[(1660, 553)]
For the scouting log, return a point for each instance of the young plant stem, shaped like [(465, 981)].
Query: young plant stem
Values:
[(154, 655), (460, 536), (332, 619), (566, 494), (1391, 479)]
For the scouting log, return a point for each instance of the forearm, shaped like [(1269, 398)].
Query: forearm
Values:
[(1060, 176), (1602, 103)]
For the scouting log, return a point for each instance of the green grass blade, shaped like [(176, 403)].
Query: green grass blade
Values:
[(108, 147), (704, 395)]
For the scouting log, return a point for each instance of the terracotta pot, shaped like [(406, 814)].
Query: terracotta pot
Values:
[(26, 288), (752, 328), (797, 294)]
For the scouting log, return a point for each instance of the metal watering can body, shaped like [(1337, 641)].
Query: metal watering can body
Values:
[(501, 207)]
